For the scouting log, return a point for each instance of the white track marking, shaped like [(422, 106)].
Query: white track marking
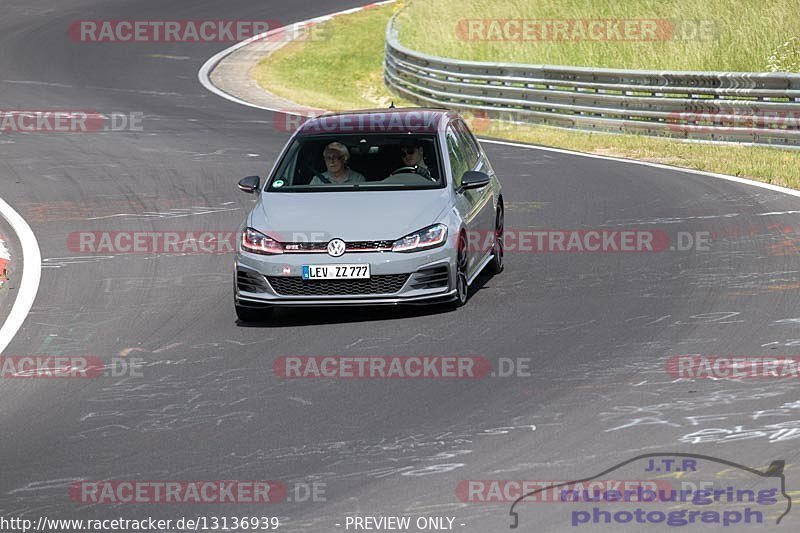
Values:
[(204, 75), (737, 179)]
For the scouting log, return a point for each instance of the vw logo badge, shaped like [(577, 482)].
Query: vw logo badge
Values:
[(336, 248)]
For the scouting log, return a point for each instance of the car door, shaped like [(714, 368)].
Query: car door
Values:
[(466, 202), (458, 165), (482, 198)]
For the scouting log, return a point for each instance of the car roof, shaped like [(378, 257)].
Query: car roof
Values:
[(392, 120)]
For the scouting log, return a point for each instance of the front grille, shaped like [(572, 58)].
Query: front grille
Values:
[(322, 247), (297, 286), (250, 281), (430, 278), (367, 246), (305, 246)]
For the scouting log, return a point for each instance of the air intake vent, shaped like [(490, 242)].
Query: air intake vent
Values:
[(297, 286), (430, 278)]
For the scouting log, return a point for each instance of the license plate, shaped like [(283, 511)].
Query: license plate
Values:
[(336, 271)]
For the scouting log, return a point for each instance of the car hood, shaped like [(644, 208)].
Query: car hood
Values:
[(351, 216)]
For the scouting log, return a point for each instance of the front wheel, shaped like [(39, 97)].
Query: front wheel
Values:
[(462, 287), (496, 264)]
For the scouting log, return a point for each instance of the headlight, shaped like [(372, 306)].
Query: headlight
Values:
[(430, 237), (258, 243)]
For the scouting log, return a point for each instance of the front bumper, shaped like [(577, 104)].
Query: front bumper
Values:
[(424, 277)]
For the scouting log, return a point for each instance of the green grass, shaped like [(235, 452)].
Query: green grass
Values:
[(728, 35), (342, 69), (339, 67)]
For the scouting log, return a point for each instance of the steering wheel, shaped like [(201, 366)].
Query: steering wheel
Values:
[(401, 170), (413, 170)]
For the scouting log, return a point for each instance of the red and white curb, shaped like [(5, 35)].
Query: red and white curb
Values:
[(5, 258), (31, 273)]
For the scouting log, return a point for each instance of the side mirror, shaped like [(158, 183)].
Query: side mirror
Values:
[(472, 179), (249, 184)]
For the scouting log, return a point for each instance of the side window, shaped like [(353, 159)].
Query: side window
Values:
[(471, 150), (458, 160)]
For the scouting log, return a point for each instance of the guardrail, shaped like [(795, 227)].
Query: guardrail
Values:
[(750, 107)]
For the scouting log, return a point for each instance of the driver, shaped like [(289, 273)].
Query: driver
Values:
[(336, 156), (413, 156)]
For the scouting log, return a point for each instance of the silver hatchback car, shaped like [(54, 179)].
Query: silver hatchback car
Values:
[(370, 207)]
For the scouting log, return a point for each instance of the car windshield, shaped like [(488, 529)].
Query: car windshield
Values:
[(359, 162)]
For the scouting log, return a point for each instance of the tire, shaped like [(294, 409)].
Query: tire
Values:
[(252, 314), (496, 264), (462, 288)]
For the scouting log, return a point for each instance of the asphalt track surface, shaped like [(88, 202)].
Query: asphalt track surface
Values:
[(598, 328)]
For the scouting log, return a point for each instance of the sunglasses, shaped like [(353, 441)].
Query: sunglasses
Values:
[(408, 151)]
